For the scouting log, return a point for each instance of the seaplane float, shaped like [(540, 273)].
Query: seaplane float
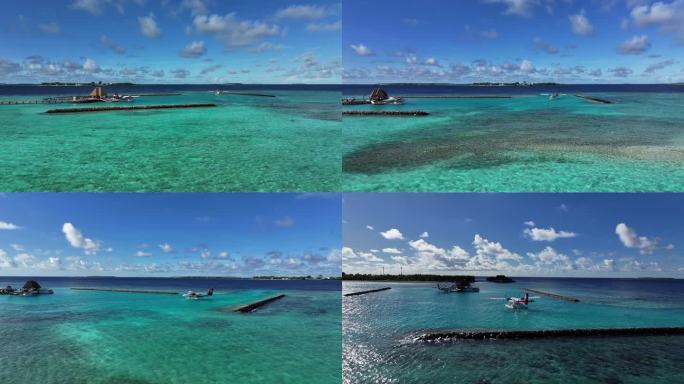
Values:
[(460, 287), (192, 295)]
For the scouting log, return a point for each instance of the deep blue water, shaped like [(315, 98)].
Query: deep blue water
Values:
[(176, 283), (433, 89)]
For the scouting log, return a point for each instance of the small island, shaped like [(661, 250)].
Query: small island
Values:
[(500, 279), (416, 277)]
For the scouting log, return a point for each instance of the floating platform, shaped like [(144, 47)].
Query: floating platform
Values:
[(552, 295), (385, 113), (594, 99), (126, 290), (548, 333), (252, 306), (134, 108), (368, 291)]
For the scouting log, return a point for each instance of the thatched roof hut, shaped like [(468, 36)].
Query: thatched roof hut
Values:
[(378, 94), (98, 92), (32, 284)]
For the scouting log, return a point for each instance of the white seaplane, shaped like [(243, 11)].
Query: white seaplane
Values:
[(192, 295), (517, 303)]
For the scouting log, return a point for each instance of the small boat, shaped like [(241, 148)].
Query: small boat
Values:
[(553, 96), (192, 295), (460, 287), (218, 92)]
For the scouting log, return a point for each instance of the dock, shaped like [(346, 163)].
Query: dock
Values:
[(368, 291), (252, 306), (125, 290), (593, 99), (385, 113), (248, 94), (552, 295), (547, 333), (134, 108), (457, 97)]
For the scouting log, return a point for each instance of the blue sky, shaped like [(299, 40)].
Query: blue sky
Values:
[(169, 234), (590, 235), (170, 41), (568, 41)]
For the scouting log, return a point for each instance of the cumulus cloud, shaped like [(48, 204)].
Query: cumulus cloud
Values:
[(391, 250), (667, 17), (233, 32), (166, 248), (362, 50), (529, 223), (180, 73), (193, 50), (631, 239), (392, 234), (77, 240), (112, 45), (8, 226), (90, 66), (523, 8), (550, 234), (526, 66), (425, 235), (142, 254), (302, 12), (634, 46), (581, 25), (6, 261), (659, 65), (370, 227), (621, 72), (148, 26)]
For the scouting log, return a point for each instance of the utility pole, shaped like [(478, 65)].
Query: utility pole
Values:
[(383, 269)]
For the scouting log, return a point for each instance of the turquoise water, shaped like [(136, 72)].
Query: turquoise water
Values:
[(286, 143), (526, 143), (379, 328), (75, 337)]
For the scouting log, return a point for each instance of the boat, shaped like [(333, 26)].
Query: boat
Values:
[(218, 92), (192, 295), (518, 303), (553, 96), (460, 287)]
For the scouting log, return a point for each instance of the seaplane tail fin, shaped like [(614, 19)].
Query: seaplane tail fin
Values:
[(210, 292), (527, 298)]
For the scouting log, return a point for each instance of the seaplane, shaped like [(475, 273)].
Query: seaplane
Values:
[(517, 303), (192, 295)]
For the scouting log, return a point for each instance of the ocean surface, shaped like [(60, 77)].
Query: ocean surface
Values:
[(247, 143), (379, 329), (75, 337), (518, 144)]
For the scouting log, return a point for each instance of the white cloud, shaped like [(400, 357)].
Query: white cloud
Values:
[(635, 46), (581, 25), (488, 248), (50, 27), (148, 26), (411, 59), (17, 247), (550, 234), (584, 262), (6, 262), (90, 66), (667, 17), (370, 227), (234, 32), (527, 67), (194, 49), (431, 61), (142, 254), (362, 50), (549, 257), (96, 7), (425, 235), (391, 250), (522, 8), (302, 12), (285, 222), (166, 248), (324, 27), (77, 240), (630, 239), (8, 226), (24, 260), (529, 223), (392, 234)]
